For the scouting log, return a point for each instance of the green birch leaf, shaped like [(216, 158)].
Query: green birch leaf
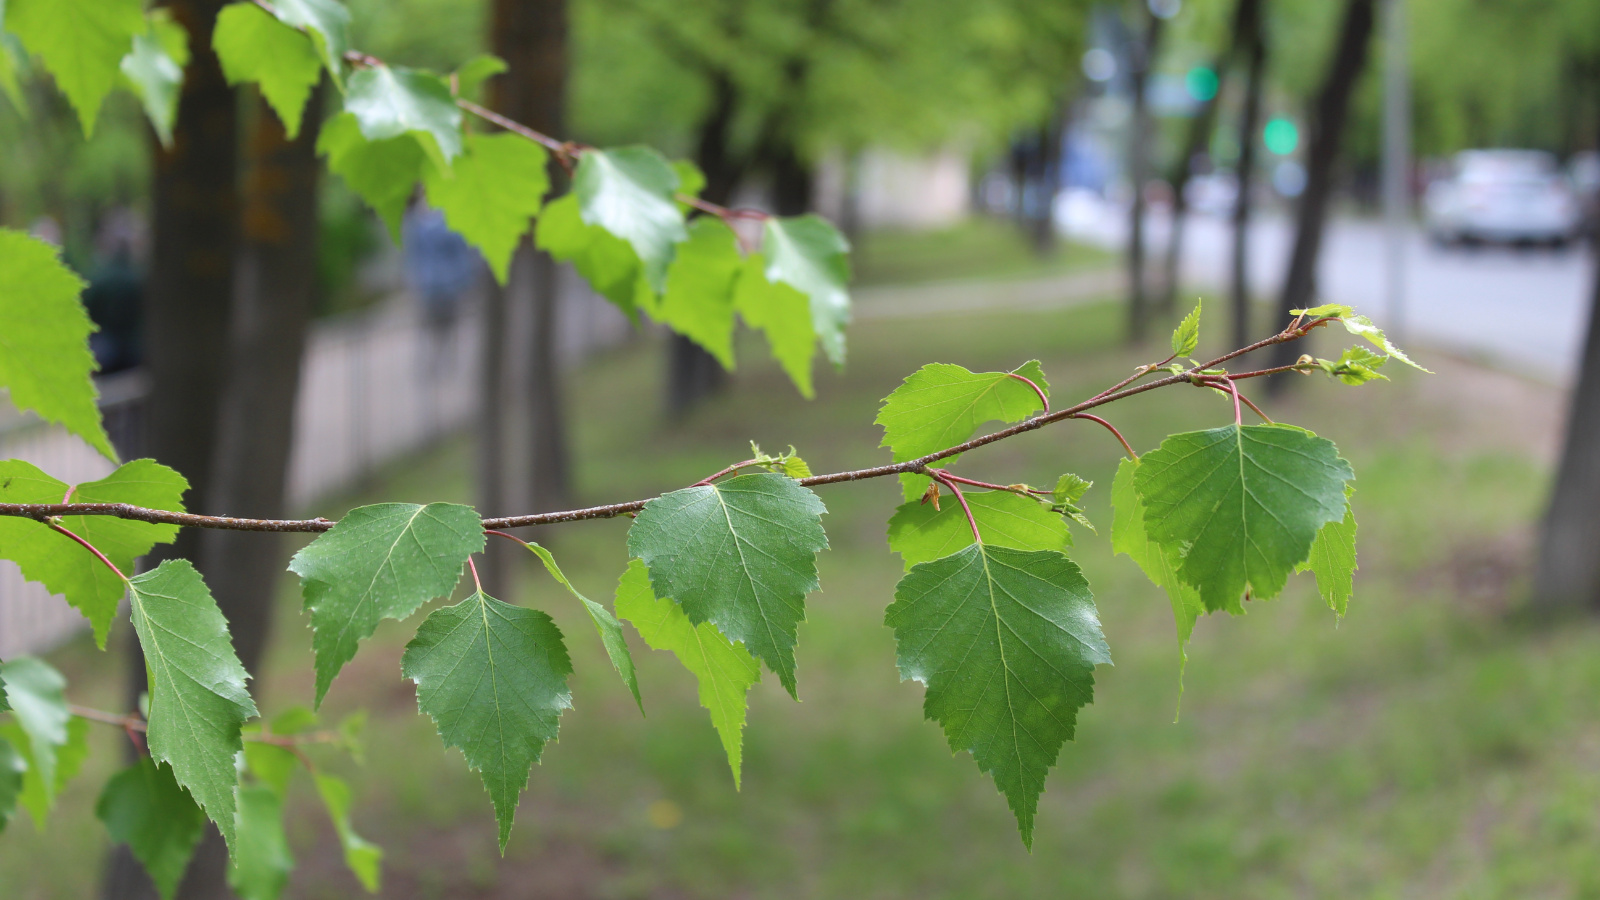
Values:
[(154, 69), (740, 554), (628, 191), (919, 533), (362, 857), (272, 765), (1326, 309), (1159, 563), (144, 807), (603, 259), (259, 869), (326, 21), (12, 769), (698, 301), (1006, 642), (470, 75), (723, 670), (1361, 326), (491, 194), (44, 339), (5, 700), (783, 315), (810, 255), (382, 173), (39, 797), (941, 405), (390, 101), (40, 731), (82, 43), (255, 47), (198, 700), (1333, 559), (691, 181), (605, 623), (1187, 336), (493, 677), (380, 562), (62, 565), (12, 63), (1246, 502)]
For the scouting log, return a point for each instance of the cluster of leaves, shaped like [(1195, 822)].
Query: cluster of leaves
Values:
[(991, 615)]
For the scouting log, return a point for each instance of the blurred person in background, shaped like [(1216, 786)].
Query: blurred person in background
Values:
[(115, 295), (440, 268)]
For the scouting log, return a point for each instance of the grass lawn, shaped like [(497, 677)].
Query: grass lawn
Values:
[(982, 247), (1426, 746)]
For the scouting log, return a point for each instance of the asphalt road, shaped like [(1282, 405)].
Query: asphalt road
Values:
[(1520, 309)]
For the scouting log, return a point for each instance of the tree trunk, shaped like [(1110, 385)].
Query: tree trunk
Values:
[(195, 206), (531, 36), (1254, 45), (1195, 145), (1142, 53), (1327, 132), (1568, 575), (1046, 176), (693, 374)]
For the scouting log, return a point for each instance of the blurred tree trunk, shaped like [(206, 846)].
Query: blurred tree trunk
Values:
[(693, 374), (1327, 131), (1142, 53), (1568, 575), (1253, 43), (531, 36), (1045, 173), (1195, 145), (194, 219)]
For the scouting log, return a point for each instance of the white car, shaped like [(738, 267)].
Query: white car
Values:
[(1503, 196)]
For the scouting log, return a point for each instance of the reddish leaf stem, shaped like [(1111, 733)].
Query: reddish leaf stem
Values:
[(1036, 389), (474, 567), (713, 477), (944, 477), (988, 485), (1113, 429), (54, 526)]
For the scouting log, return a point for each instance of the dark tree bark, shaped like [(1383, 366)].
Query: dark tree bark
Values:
[(1327, 133), (1253, 43), (1194, 147), (1568, 575), (1045, 173), (1142, 52), (195, 208)]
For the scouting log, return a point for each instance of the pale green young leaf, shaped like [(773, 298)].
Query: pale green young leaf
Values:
[(45, 361), (1333, 559), (470, 75), (1356, 366), (605, 623), (724, 671), (40, 730), (740, 554), (1246, 502), (1159, 563), (260, 867), (380, 562), (252, 46), (941, 405), (783, 315), (82, 43), (1006, 642), (494, 679), (154, 69), (810, 255), (691, 181), (628, 191), (1326, 309), (326, 21), (61, 564), (361, 856), (491, 194), (606, 261), (12, 769), (920, 533), (1070, 488), (144, 807), (382, 173), (198, 700), (698, 302), (390, 101), (1187, 336), (1361, 326)]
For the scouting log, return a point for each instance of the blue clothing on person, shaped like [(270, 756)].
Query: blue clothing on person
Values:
[(439, 264)]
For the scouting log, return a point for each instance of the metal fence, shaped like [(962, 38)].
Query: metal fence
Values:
[(374, 387)]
